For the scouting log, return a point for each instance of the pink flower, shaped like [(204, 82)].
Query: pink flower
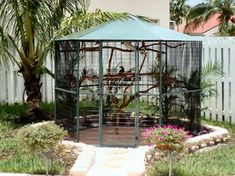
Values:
[(168, 135)]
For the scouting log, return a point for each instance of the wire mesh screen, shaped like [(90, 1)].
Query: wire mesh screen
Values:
[(66, 85), (124, 87), (181, 82)]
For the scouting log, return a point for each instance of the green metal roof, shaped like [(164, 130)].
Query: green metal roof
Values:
[(130, 29)]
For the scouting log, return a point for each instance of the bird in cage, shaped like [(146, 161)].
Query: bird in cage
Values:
[(122, 70)]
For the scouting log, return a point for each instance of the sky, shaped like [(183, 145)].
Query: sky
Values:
[(194, 2)]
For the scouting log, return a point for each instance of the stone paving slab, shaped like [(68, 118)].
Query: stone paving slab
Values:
[(111, 162)]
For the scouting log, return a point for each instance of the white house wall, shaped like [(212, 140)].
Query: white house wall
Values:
[(158, 9)]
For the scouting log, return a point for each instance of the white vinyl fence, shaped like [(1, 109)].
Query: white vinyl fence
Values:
[(12, 84), (221, 49), (220, 107)]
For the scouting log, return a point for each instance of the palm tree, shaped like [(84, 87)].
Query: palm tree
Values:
[(26, 29), (204, 11), (178, 11), (26, 33)]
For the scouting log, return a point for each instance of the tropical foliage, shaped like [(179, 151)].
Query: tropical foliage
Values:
[(178, 11), (209, 70), (205, 11)]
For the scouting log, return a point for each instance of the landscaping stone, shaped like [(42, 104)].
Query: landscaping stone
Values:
[(218, 135), (211, 143), (194, 148), (203, 145)]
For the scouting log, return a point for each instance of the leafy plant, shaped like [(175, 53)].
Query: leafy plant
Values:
[(190, 103), (201, 87), (210, 71), (167, 87)]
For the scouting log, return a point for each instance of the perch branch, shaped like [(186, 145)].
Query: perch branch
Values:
[(110, 61), (126, 103), (150, 88), (142, 64), (115, 48), (105, 47), (145, 56), (109, 69), (156, 44)]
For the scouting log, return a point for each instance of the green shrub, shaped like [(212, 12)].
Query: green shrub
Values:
[(42, 139)]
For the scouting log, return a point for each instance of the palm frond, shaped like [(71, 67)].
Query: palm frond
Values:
[(8, 48), (212, 69), (45, 70), (205, 11), (196, 11), (84, 20), (148, 19), (209, 71)]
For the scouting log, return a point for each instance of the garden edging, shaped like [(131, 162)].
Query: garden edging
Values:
[(218, 135)]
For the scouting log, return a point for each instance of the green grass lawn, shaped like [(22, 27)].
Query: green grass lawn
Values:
[(217, 162)]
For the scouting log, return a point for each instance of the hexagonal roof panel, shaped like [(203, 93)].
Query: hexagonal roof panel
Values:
[(129, 29)]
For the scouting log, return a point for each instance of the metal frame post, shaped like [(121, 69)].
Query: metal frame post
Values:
[(78, 91), (137, 96), (101, 86), (160, 86), (200, 72), (56, 72)]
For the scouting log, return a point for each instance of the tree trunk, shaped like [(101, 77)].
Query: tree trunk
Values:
[(32, 83)]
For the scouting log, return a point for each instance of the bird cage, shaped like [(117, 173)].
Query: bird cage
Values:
[(116, 79)]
